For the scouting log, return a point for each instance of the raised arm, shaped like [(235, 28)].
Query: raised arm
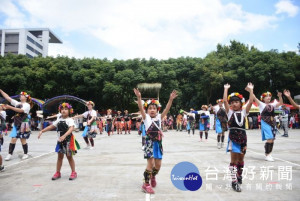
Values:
[(225, 95), (48, 128), (279, 94), (173, 95), (139, 101), (5, 96), (78, 116), (249, 88), (288, 95), (256, 100), (18, 110)]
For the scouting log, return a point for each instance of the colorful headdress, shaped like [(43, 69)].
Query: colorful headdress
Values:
[(152, 102), (67, 105), (90, 103), (220, 101), (265, 95), (26, 95), (240, 96), (204, 106)]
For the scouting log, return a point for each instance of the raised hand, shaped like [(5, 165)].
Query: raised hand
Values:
[(287, 93), (173, 95), (226, 86), (137, 93), (279, 94), (249, 87)]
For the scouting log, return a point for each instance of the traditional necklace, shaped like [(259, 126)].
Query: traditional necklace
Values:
[(240, 123)]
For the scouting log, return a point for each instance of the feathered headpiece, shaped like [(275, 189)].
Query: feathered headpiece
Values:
[(152, 102), (235, 94), (66, 105), (265, 95)]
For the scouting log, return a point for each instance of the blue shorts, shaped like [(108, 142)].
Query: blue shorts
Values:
[(156, 151), (267, 132), (233, 147), (203, 127), (218, 126)]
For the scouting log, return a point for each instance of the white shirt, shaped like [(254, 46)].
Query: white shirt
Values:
[(263, 105), (230, 112), (203, 111), (3, 114), (69, 121), (92, 113), (58, 116), (148, 121), (26, 106)]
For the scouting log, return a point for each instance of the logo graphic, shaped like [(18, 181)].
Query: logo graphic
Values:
[(186, 177)]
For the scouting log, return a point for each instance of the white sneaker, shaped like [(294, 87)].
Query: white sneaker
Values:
[(222, 144), (269, 158), (25, 156), (8, 157), (87, 147), (143, 147), (91, 148), (219, 145), (2, 168)]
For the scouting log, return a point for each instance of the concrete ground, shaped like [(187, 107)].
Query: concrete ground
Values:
[(114, 170)]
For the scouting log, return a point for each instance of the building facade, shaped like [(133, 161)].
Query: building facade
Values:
[(29, 42)]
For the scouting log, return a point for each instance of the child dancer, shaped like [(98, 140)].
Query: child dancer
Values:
[(221, 122), (268, 122), (2, 128), (118, 123), (91, 130), (109, 118), (237, 140), (66, 143), (127, 119), (153, 148), (204, 121), (21, 129), (190, 121)]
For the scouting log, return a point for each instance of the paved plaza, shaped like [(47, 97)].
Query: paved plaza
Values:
[(114, 169)]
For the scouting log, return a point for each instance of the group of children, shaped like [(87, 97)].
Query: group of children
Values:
[(230, 115)]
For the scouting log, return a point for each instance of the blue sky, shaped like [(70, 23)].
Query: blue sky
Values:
[(126, 29)]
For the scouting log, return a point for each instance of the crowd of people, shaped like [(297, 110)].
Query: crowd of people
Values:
[(229, 114)]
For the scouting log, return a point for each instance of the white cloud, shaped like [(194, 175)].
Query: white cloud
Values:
[(63, 50), (286, 6), (142, 28)]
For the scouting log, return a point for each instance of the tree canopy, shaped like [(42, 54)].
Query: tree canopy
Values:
[(109, 83)]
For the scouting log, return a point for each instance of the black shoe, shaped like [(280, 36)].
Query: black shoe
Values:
[(240, 180), (236, 187), (2, 168), (285, 135)]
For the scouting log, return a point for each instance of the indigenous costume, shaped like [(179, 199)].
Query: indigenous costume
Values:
[(21, 128), (221, 122), (153, 142), (109, 125), (69, 145), (203, 121), (93, 126), (191, 122), (237, 140), (127, 119), (268, 122), (2, 126), (118, 120)]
